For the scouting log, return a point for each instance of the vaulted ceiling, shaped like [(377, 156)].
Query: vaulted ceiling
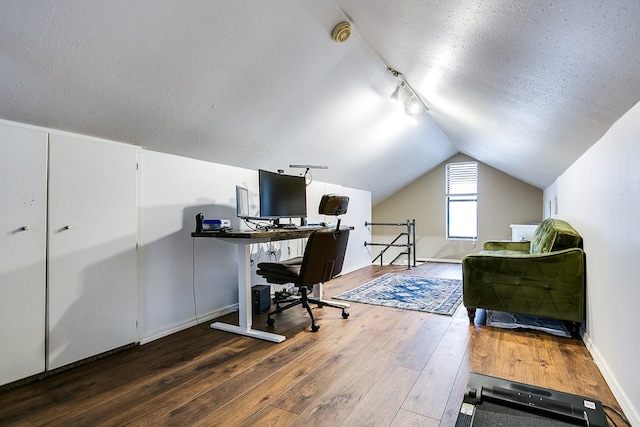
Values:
[(523, 86)]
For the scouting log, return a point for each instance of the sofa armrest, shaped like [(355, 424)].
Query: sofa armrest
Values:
[(550, 284), (506, 245)]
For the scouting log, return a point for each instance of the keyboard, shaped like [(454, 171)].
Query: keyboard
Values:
[(283, 227), (288, 226)]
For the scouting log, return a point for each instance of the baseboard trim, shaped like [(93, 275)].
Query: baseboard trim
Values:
[(354, 268), (447, 260), (630, 411), (161, 333), (47, 373)]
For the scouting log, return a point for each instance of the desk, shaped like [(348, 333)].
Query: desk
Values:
[(243, 240)]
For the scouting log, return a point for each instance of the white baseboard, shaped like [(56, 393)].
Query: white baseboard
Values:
[(354, 268), (423, 260), (630, 411), (161, 333), (448, 260)]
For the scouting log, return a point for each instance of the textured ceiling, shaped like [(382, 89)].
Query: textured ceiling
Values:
[(524, 86)]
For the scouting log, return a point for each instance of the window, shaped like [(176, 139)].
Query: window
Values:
[(462, 200)]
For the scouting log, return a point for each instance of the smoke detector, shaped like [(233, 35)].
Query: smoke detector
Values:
[(341, 32)]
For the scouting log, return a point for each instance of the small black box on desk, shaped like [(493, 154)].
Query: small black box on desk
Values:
[(260, 298)]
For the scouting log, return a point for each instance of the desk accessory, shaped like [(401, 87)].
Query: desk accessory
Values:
[(204, 225)]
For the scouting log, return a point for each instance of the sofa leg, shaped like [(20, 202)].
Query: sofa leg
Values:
[(471, 312), (574, 329)]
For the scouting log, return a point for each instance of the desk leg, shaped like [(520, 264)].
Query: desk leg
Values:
[(244, 302), (318, 294)]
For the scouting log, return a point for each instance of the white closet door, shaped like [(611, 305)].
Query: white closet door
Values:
[(92, 248), (23, 184)]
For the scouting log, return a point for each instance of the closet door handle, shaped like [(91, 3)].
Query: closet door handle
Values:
[(20, 229)]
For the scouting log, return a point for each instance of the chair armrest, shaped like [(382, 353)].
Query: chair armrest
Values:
[(506, 245), (281, 265)]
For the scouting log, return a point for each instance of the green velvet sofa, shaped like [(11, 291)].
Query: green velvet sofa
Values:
[(544, 277)]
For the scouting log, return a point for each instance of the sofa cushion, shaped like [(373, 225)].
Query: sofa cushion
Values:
[(505, 245), (505, 252), (553, 235)]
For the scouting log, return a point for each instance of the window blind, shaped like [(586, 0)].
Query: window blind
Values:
[(462, 178)]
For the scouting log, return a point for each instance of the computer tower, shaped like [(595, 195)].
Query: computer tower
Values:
[(260, 298)]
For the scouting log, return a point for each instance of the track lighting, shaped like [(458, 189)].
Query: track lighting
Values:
[(407, 95), (412, 107), (396, 93), (404, 93)]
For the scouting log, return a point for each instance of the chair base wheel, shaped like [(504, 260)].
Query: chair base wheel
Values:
[(315, 327), (345, 314), (271, 321)]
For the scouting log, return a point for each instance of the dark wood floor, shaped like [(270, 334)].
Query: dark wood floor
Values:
[(382, 366)]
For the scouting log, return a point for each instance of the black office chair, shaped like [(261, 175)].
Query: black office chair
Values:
[(322, 260)]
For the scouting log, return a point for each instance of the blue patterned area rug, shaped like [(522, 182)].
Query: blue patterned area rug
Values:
[(433, 295)]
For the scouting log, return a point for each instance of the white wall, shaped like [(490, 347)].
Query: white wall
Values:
[(174, 190), (600, 196), (173, 266), (358, 255)]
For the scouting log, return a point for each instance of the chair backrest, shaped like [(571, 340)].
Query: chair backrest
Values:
[(333, 204), (323, 256)]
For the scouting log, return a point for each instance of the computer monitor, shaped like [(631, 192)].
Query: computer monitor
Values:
[(282, 196), (242, 202)]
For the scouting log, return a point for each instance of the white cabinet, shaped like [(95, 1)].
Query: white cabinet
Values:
[(92, 234), (522, 232), (23, 180), (68, 263)]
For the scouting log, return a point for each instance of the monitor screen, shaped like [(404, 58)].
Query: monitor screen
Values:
[(242, 202), (282, 196)]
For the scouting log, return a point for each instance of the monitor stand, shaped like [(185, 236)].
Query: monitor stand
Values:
[(284, 225)]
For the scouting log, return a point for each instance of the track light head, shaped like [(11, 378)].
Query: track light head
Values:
[(396, 93), (412, 107), (405, 94)]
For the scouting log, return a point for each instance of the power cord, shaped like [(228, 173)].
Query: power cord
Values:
[(253, 259), (620, 414), (272, 251)]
